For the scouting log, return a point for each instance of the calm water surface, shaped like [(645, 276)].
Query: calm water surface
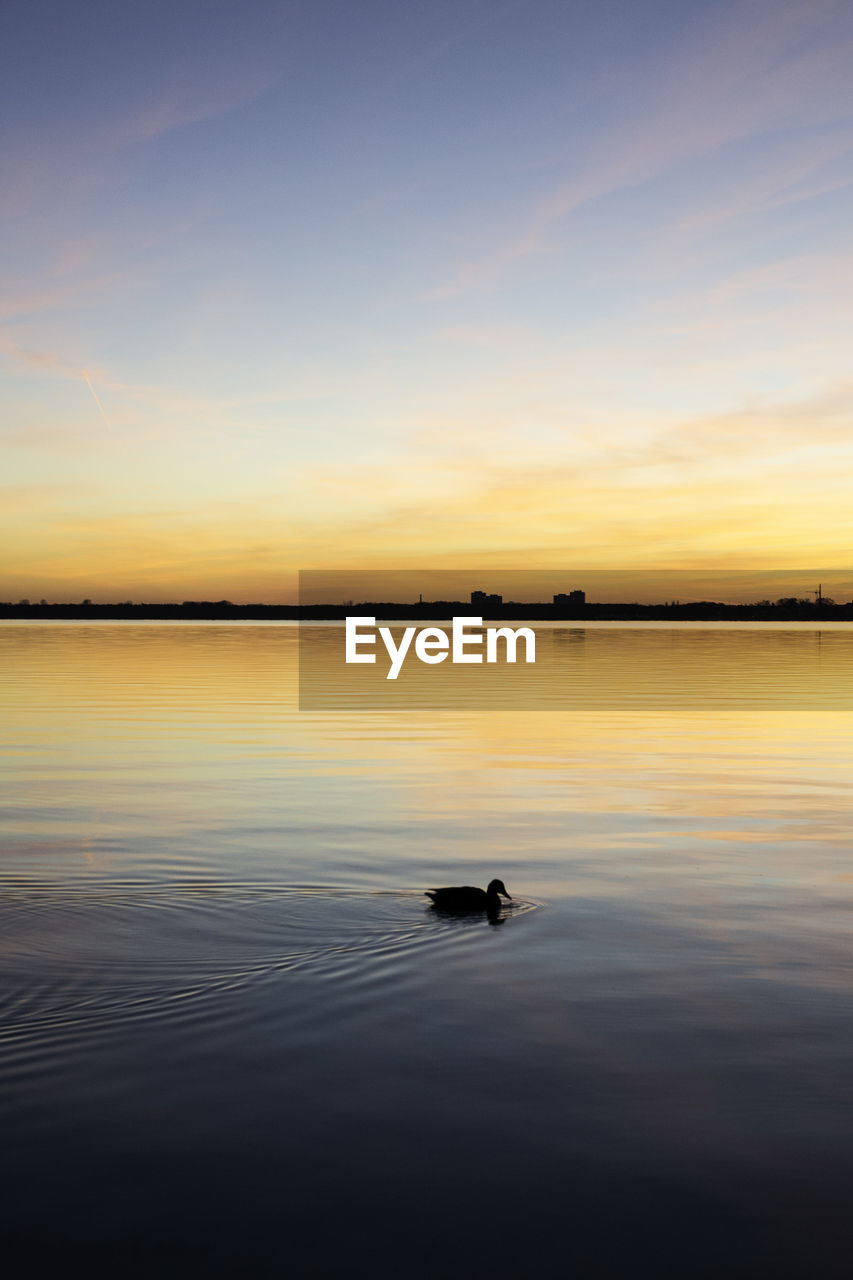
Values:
[(235, 1039)]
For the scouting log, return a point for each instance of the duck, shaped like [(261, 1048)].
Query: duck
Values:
[(466, 897)]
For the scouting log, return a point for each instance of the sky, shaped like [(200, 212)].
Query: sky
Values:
[(453, 284)]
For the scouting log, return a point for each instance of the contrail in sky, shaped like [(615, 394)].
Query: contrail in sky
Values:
[(95, 394)]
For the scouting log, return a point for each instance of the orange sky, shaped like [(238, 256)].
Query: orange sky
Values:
[(587, 307)]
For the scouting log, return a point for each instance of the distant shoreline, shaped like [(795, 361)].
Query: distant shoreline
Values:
[(224, 611)]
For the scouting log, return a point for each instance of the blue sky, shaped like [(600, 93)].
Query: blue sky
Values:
[(377, 285)]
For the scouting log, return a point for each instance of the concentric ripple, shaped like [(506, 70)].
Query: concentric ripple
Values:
[(99, 957)]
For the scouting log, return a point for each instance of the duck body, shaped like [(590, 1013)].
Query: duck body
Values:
[(467, 897)]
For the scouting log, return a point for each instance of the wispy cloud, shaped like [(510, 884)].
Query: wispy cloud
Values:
[(753, 73), (76, 154), (47, 362), (95, 396)]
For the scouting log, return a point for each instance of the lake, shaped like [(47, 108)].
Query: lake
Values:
[(235, 1037)]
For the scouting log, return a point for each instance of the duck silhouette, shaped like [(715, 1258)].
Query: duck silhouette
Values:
[(466, 897)]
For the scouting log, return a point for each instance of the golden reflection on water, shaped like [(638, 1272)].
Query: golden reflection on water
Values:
[(600, 665), (175, 749), (195, 872)]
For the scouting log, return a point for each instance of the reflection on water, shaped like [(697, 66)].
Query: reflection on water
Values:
[(235, 1036), (652, 665)]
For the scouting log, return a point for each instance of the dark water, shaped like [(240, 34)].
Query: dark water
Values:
[(235, 1039)]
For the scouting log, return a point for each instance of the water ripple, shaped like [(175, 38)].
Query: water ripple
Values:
[(97, 958)]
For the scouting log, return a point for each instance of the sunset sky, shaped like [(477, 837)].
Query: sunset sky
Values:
[(455, 283)]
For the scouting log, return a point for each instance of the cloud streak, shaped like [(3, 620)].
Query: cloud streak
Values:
[(753, 74), (88, 381)]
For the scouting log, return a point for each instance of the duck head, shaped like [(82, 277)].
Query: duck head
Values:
[(497, 887)]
